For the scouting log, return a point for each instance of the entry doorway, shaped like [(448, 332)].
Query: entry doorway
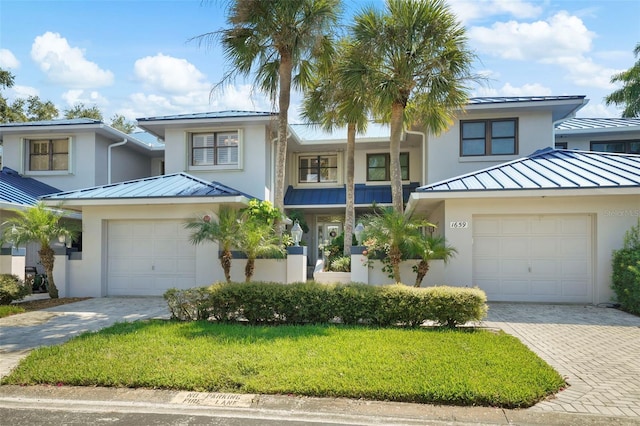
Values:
[(327, 228)]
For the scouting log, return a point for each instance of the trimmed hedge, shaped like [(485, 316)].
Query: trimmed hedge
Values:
[(625, 279), (12, 288), (314, 303)]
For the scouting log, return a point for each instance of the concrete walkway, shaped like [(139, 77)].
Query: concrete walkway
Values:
[(597, 350)]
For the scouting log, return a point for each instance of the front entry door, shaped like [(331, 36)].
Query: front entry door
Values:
[(326, 232)]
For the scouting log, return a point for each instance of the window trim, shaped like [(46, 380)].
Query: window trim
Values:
[(561, 145), (388, 166), (488, 138), (26, 155), (627, 145), (318, 154), (208, 167)]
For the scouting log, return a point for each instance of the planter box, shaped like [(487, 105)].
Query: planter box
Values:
[(332, 277)]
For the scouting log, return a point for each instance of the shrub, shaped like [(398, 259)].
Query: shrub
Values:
[(625, 279), (311, 302), (12, 288), (341, 264)]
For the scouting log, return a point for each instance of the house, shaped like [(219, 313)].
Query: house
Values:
[(134, 241)]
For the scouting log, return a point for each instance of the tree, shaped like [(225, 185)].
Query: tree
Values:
[(431, 248), (20, 110), (257, 238), (414, 57), (393, 235), (224, 232), (276, 39), (629, 94), (119, 122), (80, 110), (43, 225), (330, 103)]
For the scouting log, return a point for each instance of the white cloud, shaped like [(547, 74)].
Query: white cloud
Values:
[(8, 59), (67, 65), (469, 10), (599, 110), (561, 36), (170, 75), (88, 98), (24, 91), (533, 89)]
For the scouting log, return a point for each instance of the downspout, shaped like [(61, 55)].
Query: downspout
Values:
[(124, 141)]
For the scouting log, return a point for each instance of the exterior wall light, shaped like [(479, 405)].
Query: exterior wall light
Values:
[(358, 232), (296, 233)]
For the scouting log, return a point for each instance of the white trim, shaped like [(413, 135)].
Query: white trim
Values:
[(238, 199)]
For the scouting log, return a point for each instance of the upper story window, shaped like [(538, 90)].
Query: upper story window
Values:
[(48, 154), (318, 168), (489, 137), (627, 147), (378, 166), (214, 149), (562, 145)]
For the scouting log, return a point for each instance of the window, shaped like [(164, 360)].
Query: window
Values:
[(489, 137), (214, 149), (48, 154), (562, 145), (378, 166), (628, 147), (318, 168)]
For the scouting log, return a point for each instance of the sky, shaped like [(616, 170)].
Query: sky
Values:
[(135, 57)]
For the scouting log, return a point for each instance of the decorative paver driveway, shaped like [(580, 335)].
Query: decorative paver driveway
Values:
[(597, 350), (19, 334)]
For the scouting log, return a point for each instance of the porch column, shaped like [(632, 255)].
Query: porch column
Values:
[(60, 269), (18, 261), (296, 264), (359, 269)]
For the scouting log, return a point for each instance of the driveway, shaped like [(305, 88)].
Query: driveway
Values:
[(597, 350), (19, 334)]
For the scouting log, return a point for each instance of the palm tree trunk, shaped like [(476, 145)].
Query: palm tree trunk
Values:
[(395, 257), (349, 215), (47, 257), (225, 261), (397, 113), (249, 269), (284, 99), (423, 268)]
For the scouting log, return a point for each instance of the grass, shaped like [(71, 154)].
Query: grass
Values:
[(6, 310), (472, 367)]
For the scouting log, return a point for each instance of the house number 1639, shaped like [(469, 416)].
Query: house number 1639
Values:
[(459, 224)]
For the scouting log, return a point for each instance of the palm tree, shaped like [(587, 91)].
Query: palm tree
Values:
[(275, 39), (224, 231), (257, 238), (329, 103), (393, 235), (629, 94), (414, 57), (432, 248), (43, 225)]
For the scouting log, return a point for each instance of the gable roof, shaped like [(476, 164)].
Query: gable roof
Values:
[(364, 195), (550, 169), (16, 189), (589, 125), (178, 185)]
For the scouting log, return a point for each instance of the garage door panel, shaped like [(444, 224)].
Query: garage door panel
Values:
[(542, 258), (149, 257)]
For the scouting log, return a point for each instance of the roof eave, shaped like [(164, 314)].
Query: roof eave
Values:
[(137, 201)]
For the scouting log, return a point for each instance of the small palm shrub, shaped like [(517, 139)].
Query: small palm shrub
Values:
[(12, 288), (625, 280), (341, 264)]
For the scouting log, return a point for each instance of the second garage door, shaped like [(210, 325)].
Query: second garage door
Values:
[(533, 258), (145, 258)]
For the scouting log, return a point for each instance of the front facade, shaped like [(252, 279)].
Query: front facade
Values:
[(134, 241)]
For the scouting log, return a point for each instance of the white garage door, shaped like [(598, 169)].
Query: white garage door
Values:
[(533, 258), (145, 258)]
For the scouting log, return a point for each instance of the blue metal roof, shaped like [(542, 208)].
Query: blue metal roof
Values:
[(514, 99), (315, 133), (147, 138), (365, 195), (174, 185), (550, 169), (211, 115), (62, 122), (21, 190), (585, 124)]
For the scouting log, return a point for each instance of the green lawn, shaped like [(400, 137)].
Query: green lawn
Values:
[(426, 365), (6, 310)]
